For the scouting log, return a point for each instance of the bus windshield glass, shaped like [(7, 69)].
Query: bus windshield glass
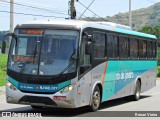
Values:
[(49, 52)]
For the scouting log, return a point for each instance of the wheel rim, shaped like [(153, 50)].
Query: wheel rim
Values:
[(96, 99)]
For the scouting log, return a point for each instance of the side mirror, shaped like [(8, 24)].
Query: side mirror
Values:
[(3, 50), (88, 48)]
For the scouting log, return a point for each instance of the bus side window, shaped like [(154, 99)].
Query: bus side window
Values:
[(112, 46), (134, 48), (143, 49), (149, 49), (154, 49), (124, 47), (99, 51)]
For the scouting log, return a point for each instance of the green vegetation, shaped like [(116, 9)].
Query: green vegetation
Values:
[(3, 65)]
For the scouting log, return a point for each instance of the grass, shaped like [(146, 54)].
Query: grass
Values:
[(3, 65)]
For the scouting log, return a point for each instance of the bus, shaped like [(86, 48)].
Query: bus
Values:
[(71, 64)]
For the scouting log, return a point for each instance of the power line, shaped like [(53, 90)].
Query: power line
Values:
[(30, 14), (91, 11), (4, 4), (86, 9), (34, 7), (86, 16)]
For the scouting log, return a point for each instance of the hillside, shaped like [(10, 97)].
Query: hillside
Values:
[(142, 17)]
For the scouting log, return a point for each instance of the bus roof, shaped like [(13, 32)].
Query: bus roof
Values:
[(99, 25)]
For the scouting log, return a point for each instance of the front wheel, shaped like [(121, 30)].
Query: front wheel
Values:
[(96, 99)]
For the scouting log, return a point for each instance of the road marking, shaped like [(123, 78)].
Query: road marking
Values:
[(156, 93)]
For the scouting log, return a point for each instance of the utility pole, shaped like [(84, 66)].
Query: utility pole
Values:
[(72, 10), (11, 17), (130, 14)]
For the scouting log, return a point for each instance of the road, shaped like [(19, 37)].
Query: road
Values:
[(150, 101)]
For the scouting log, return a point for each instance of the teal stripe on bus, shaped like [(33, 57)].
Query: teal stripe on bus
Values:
[(18, 84), (13, 81), (130, 32), (138, 67)]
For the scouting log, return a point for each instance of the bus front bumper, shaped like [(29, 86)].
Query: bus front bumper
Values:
[(65, 100)]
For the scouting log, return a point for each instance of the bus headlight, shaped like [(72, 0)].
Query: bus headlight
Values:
[(11, 86), (67, 89)]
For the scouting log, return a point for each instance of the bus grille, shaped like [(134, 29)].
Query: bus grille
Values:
[(36, 99)]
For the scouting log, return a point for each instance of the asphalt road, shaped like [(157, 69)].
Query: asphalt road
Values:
[(150, 101)]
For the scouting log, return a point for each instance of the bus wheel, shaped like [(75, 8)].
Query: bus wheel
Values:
[(36, 107), (96, 99), (136, 96)]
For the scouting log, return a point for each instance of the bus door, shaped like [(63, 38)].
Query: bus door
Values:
[(85, 79)]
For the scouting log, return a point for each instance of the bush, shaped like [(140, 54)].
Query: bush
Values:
[(3, 66)]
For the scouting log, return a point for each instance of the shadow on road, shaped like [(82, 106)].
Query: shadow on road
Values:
[(58, 112), (119, 101)]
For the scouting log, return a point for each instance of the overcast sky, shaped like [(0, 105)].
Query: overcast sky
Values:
[(59, 8)]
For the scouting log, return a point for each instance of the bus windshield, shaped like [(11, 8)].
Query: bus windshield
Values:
[(51, 53)]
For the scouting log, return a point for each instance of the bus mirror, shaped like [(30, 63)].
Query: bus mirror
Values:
[(9, 34), (88, 48), (3, 50), (86, 36), (6, 38), (89, 37)]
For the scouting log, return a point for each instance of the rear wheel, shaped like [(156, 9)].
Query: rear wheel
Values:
[(136, 96), (96, 99)]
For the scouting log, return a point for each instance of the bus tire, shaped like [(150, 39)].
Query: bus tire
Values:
[(136, 95), (95, 100), (36, 107)]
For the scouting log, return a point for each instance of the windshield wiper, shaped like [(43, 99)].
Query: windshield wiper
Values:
[(73, 58), (35, 51), (66, 68)]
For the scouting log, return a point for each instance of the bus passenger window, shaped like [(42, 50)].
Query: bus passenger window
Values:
[(142, 49), (124, 47), (154, 49), (149, 49), (112, 46), (99, 45), (133, 48)]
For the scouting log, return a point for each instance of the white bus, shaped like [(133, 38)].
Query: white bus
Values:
[(70, 64)]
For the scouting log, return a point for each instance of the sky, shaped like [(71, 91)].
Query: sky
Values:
[(58, 9)]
